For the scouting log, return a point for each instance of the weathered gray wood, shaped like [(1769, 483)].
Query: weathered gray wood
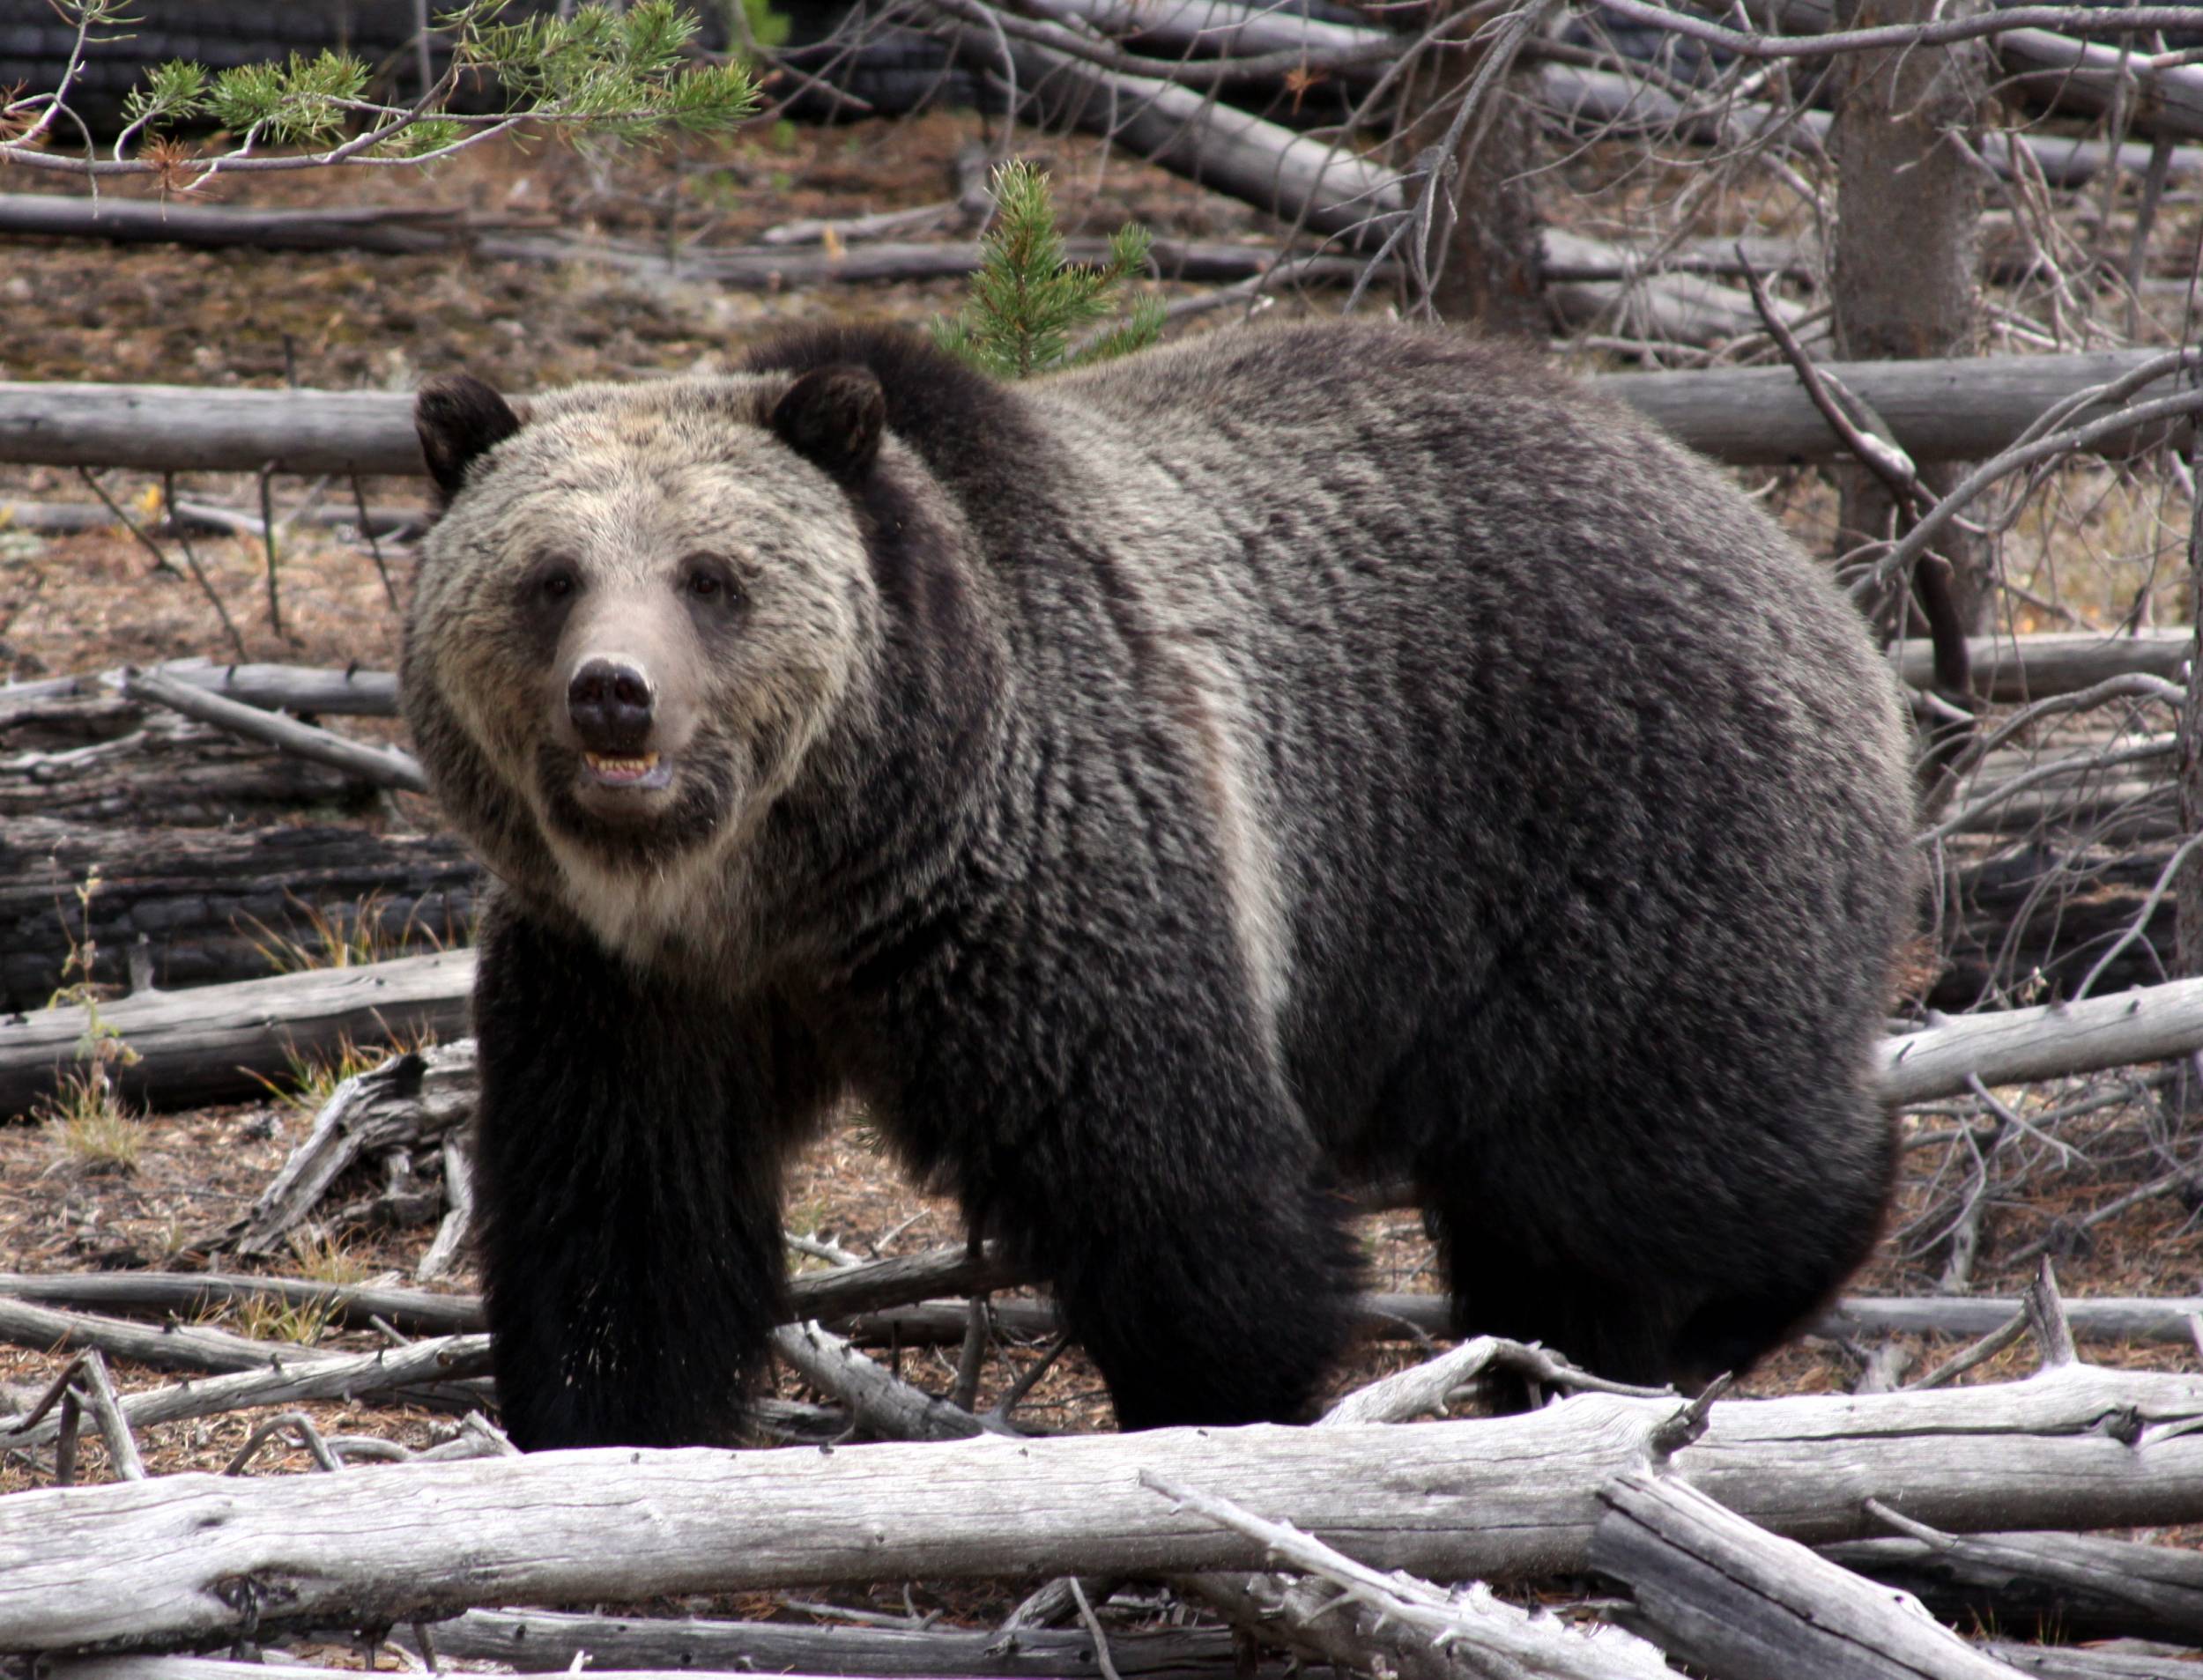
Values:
[(1423, 1632), (161, 428), (881, 1284), (1220, 29), (384, 767), (198, 1348), (1611, 101), (203, 1045), (102, 759), (210, 902), (882, 1405), (876, 1286), (2008, 1046), (413, 1099), (1190, 133), (769, 266), (305, 689), (1969, 408), (2064, 1662), (2061, 71), (420, 1374), (291, 688), (167, 1559), (541, 1641), (409, 1312), (2099, 1319), (1747, 1605), (2066, 1586)]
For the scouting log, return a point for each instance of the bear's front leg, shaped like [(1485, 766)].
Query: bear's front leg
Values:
[(627, 1188)]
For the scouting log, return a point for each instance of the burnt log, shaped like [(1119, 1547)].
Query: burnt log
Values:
[(209, 904), (102, 758), (2035, 922)]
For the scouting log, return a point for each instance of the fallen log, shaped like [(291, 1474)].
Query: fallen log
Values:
[(212, 905), (2103, 1318), (102, 758), (1338, 1609), (2060, 71), (1330, 187), (1610, 101), (2070, 1587), (382, 767), (206, 1044), (198, 1349), (71, 518), (775, 266), (1969, 408), (894, 1303), (409, 1312), (2064, 1662), (412, 1101), (544, 1641), (2046, 917), (200, 1558), (427, 1373), (2009, 1046), (1740, 1602), (2013, 670)]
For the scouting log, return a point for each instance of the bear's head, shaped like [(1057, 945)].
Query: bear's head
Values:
[(642, 609)]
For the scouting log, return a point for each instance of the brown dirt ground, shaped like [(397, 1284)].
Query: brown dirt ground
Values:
[(88, 311)]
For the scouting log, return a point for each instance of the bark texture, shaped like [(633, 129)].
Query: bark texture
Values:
[(1908, 244)]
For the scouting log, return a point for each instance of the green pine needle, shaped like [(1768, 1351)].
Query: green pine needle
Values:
[(1026, 300)]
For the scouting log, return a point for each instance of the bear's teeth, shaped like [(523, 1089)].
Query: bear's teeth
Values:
[(606, 765)]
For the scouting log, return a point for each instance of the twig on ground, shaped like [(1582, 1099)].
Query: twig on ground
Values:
[(1982, 1352)]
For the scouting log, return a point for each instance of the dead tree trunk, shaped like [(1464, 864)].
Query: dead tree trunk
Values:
[(2188, 890), (1479, 261), (1907, 244)]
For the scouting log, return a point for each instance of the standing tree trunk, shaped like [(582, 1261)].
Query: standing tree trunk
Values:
[(2188, 891), (1480, 261), (1907, 246)]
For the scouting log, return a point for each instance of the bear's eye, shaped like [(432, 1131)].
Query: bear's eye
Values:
[(707, 579), (551, 582)]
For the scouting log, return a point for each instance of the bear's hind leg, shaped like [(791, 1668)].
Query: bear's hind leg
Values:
[(1503, 1287), (1178, 1209)]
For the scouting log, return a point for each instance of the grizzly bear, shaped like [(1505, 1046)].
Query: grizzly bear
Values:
[(1161, 794)]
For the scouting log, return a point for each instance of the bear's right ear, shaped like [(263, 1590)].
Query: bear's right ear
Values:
[(832, 418), (458, 417)]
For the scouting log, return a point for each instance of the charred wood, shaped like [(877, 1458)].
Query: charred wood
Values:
[(210, 905), (102, 758)]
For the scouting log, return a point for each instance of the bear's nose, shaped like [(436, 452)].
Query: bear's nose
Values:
[(609, 701)]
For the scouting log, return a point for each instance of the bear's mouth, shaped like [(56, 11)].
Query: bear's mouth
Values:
[(644, 771)]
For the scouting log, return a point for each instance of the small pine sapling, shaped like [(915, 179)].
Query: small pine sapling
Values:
[(1026, 300)]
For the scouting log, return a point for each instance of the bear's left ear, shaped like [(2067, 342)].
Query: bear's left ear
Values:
[(832, 418), (458, 417)]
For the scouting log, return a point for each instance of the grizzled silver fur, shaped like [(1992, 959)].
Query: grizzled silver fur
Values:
[(1156, 791)]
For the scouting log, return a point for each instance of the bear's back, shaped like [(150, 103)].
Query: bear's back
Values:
[(1521, 688)]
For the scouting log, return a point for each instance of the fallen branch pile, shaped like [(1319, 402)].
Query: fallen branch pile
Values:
[(170, 1561)]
